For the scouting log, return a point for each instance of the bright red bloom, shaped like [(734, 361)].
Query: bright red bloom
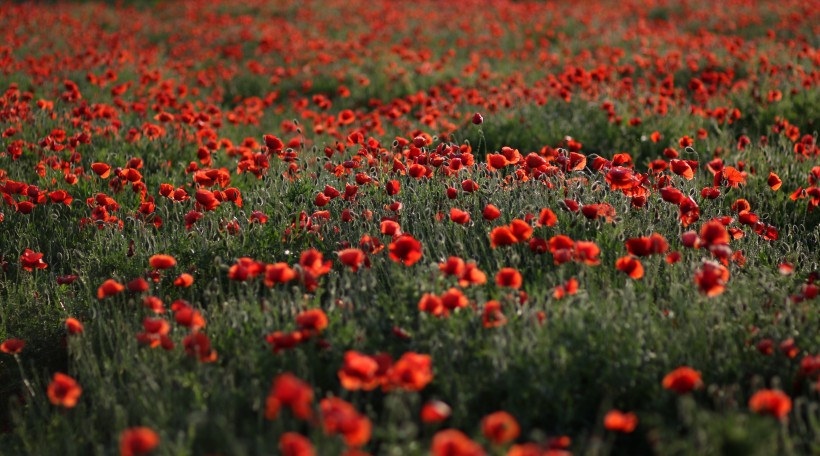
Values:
[(101, 169), (521, 230), (313, 321), (771, 402), (492, 316), (64, 391), (435, 411), (184, 280), (289, 391), (547, 218), (711, 278), (490, 212), (340, 417), (73, 326), (278, 273), (509, 277), (459, 216), (502, 235), (109, 288), (137, 441), (500, 427), (162, 261), (631, 266), (359, 371), (406, 250), (353, 258), (774, 181), (452, 442), (645, 246), (31, 260), (682, 380), (412, 372), (617, 421), (293, 444)]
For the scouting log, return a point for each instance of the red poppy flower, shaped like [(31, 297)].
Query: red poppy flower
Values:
[(547, 218), (435, 411), (138, 441), (432, 304), (454, 266), (771, 402), (774, 181), (12, 346), (184, 280), (198, 345), (454, 299), (340, 417), (508, 277), (138, 285), (501, 236), (278, 273), (452, 442), (587, 253), (631, 266), (353, 258), (31, 260), (620, 178), (109, 288), (64, 391), (289, 391), (412, 372), (490, 212), (521, 230), (711, 278), (617, 421), (293, 444), (313, 321), (492, 316), (359, 372), (101, 169), (682, 380), (73, 326), (162, 261), (500, 427), (405, 249), (393, 187), (682, 168), (459, 216)]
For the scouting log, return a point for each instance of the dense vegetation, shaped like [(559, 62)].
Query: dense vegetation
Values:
[(458, 228)]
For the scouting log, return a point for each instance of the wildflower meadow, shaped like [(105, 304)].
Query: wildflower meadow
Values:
[(447, 228)]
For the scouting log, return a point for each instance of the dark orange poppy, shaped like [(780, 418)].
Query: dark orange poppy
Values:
[(435, 411), (109, 288), (618, 421), (293, 444), (631, 266), (771, 402), (352, 258), (452, 442), (682, 380), (138, 441), (412, 372), (64, 391), (508, 277), (162, 261), (12, 346), (500, 427)]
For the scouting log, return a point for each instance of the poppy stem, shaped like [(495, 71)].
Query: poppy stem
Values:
[(23, 376)]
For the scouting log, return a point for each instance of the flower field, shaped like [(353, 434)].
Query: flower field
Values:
[(448, 228)]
